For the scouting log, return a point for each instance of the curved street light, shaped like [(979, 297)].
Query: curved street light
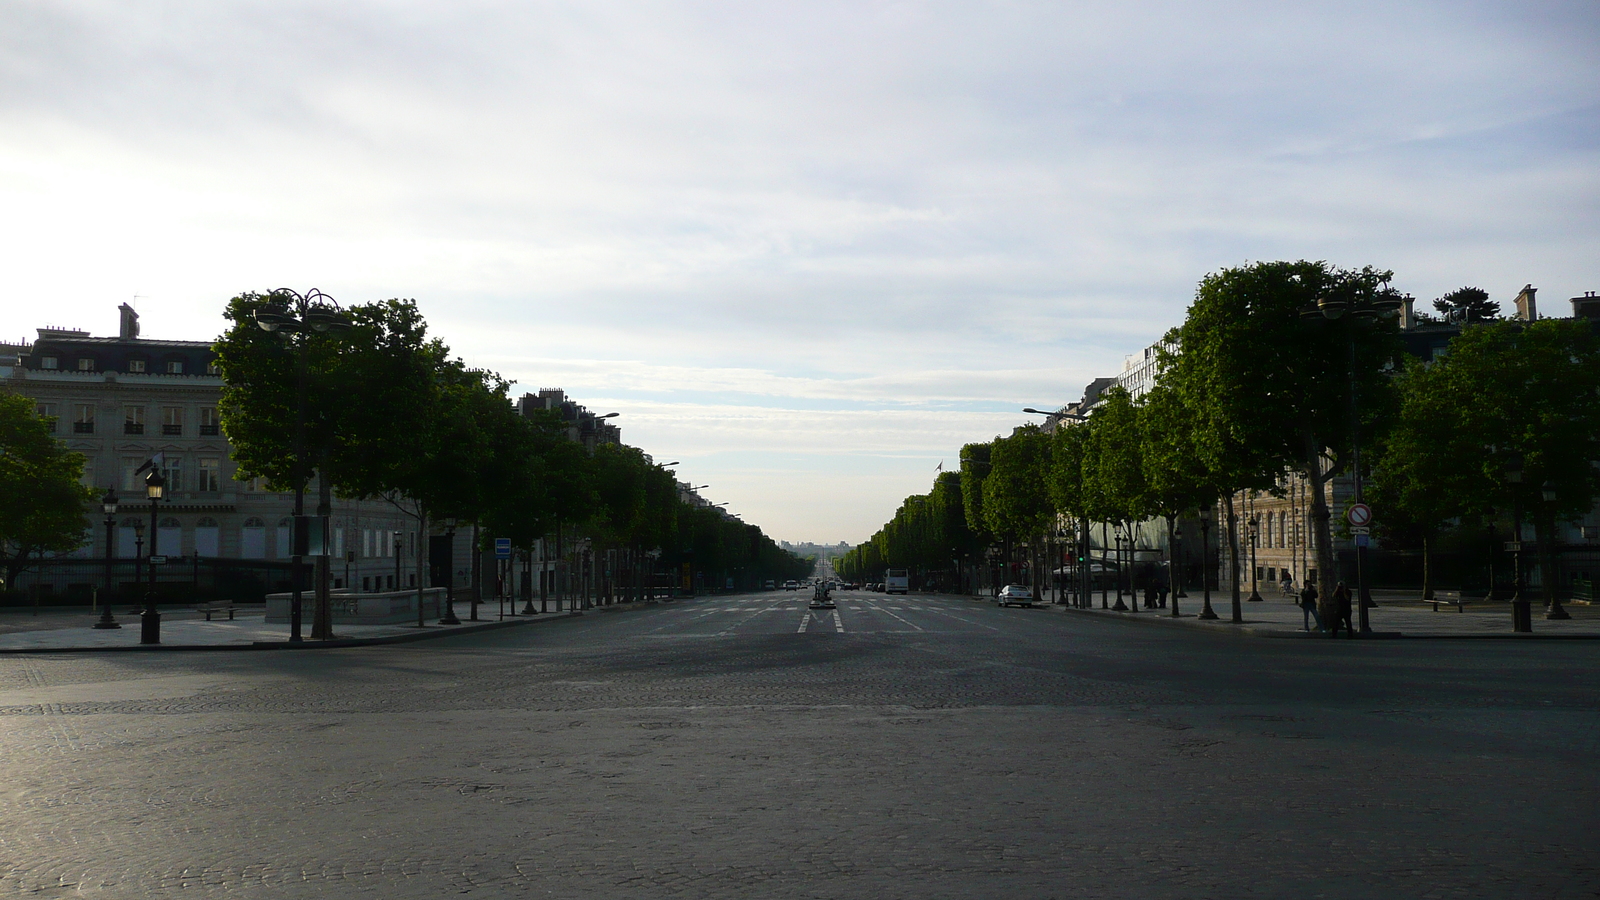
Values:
[(295, 317), (155, 487)]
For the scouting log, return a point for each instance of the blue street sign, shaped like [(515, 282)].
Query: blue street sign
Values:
[(502, 548)]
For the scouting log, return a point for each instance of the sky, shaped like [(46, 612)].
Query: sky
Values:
[(807, 250)]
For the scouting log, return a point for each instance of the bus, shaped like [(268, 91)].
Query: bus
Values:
[(896, 581)]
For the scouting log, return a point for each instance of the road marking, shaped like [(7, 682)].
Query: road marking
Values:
[(804, 621), (959, 619), (757, 610), (905, 620), (838, 623)]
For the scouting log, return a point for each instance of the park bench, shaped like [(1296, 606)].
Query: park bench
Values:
[(1447, 597), (216, 606)]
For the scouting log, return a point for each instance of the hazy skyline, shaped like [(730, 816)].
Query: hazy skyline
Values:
[(809, 250)]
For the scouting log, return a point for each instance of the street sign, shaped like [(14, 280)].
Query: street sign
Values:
[(1358, 514), (502, 548), (158, 560), (1362, 539), (1360, 529), (1513, 546)]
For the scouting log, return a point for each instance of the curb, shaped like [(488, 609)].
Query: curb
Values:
[(336, 644), (1291, 635)]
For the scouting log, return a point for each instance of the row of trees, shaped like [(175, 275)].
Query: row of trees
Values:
[(41, 498), (1288, 368), (382, 410)]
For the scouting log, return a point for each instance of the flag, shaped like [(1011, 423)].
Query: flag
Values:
[(939, 467), (154, 462)]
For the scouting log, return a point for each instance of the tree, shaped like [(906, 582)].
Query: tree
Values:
[(1016, 505), (1467, 305), (1271, 389), (41, 497), (1531, 393)]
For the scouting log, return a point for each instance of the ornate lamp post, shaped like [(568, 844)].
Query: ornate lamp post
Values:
[(397, 550), (108, 504), (1521, 615), (449, 617), (1255, 534), (1547, 555), (155, 487), (1206, 612), (1116, 541), (297, 317), (1175, 568), (138, 555)]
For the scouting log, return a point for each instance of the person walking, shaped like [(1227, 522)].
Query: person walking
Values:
[(1341, 612), (1161, 590), (1308, 606)]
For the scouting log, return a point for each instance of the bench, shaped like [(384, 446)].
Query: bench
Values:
[(1447, 597), (218, 606)]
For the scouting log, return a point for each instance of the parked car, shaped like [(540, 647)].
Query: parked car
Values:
[(1015, 593), (770, 585), (791, 585)]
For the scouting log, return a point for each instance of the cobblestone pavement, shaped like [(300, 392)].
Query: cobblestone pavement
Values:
[(916, 747)]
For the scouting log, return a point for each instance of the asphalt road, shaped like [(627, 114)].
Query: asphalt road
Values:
[(912, 747)]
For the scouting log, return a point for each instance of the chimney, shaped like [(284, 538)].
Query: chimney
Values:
[(130, 323), (1408, 316), (1527, 311), (1586, 307)]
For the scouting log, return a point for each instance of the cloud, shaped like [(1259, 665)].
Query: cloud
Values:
[(825, 208)]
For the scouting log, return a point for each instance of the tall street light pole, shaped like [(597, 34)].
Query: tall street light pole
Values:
[(108, 504), (297, 318), (155, 487), (1521, 615)]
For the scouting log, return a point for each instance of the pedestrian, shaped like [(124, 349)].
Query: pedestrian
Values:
[(1150, 594), (1341, 612), (1308, 606), (1161, 591)]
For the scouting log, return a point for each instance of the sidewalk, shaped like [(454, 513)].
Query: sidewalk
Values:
[(23, 630), (1398, 615)]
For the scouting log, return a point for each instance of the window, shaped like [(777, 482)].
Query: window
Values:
[(49, 362), (85, 364), (47, 412), (172, 420), (213, 369), (208, 421), (88, 474), (174, 367), (206, 537), (208, 475), (174, 475), (133, 420), (135, 365), (83, 420)]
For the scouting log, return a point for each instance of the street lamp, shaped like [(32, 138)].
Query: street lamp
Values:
[(108, 504), (138, 555), (449, 617), (296, 318), (1116, 539), (1175, 568), (155, 487), (1255, 532), (1206, 612), (1547, 550), (397, 551), (1521, 615)]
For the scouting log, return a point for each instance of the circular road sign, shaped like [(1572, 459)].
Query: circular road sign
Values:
[(1358, 514)]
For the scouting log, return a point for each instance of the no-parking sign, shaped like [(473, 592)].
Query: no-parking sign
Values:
[(1359, 514)]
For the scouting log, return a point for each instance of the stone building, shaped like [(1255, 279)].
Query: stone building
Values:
[(125, 400)]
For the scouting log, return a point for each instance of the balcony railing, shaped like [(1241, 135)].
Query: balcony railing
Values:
[(172, 429), (83, 428), (132, 428), (209, 430)]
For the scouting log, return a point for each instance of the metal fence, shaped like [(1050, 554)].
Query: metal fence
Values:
[(77, 582)]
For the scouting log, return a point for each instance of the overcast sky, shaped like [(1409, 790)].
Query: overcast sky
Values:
[(808, 249)]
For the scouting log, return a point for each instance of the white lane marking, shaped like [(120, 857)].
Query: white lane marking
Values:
[(757, 610), (905, 620), (959, 619), (804, 621), (710, 612), (838, 623)]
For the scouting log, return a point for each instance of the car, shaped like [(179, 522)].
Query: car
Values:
[(1015, 593), (791, 585), (770, 585)]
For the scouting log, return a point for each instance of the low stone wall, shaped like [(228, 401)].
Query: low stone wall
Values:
[(380, 608)]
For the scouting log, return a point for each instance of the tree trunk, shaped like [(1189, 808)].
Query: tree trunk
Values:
[(1233, 556)]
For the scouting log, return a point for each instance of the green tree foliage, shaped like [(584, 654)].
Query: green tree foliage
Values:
[(1270, 389), (1013, 503), (41, 499)]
